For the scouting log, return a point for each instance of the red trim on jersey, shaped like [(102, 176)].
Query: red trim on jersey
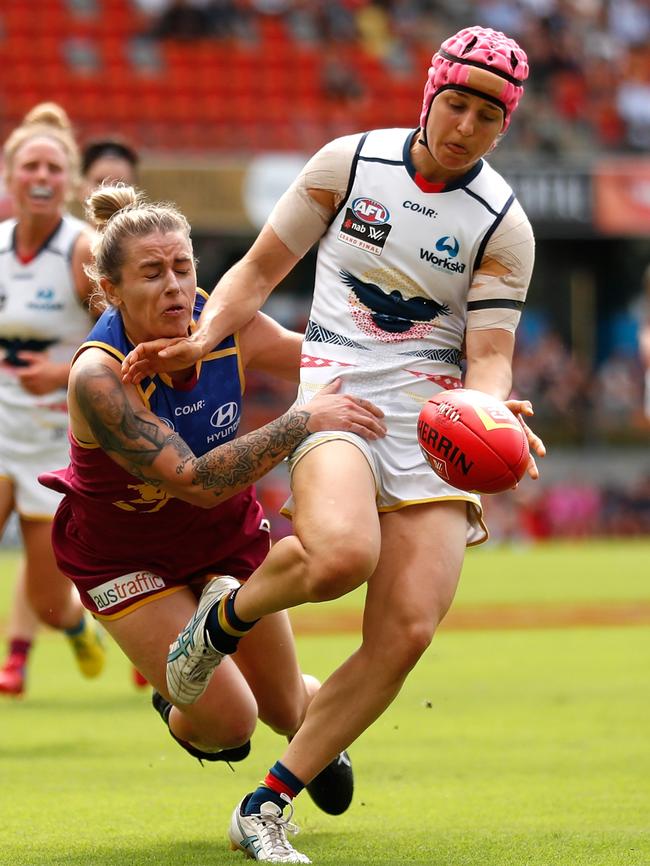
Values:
[(25, 260), (313, 361), (427, 185), (446, 382)]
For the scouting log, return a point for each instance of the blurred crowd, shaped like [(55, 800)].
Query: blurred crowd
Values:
[(572, 508), (576, 403), (590, 59)]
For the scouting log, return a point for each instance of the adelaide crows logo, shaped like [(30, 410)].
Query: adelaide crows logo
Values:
[(393, 313)]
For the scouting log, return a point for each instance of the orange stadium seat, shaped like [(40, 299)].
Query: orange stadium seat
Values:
[(169, 93)]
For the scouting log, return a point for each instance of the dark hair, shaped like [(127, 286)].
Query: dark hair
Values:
[(114, 147)]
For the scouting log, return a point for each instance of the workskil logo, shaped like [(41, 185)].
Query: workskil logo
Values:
[(448, 244), (449, 247), (45, 300)]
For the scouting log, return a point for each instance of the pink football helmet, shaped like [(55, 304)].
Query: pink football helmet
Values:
[(478, 48)]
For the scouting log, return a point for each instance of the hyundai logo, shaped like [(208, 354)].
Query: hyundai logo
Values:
[(225, 415)]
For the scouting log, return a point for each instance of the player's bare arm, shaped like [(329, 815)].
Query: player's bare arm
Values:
[(489, 361), (265, 345), (297, 222), (128, 435)]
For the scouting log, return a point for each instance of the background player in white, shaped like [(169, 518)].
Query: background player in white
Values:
[(43, 318), (425, 258)]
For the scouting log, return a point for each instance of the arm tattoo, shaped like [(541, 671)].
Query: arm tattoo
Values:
[(235, 465), (224, 471), (116, 425)]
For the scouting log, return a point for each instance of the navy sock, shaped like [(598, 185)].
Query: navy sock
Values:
[(279, 780), (223, 627), (77, 629)]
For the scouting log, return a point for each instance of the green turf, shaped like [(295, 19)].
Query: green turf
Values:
[(505, 748)]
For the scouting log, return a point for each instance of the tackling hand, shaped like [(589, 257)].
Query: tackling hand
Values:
[(165, 355), (331, 411)]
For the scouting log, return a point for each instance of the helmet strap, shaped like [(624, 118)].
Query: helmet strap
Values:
[(464, 89)]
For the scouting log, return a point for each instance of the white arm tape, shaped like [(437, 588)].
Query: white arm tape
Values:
[(504, 274), (298, 219)]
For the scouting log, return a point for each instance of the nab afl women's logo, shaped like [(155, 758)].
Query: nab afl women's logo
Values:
[(370, 211)]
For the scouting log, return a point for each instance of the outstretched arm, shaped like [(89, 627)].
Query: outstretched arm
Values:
[(143, 445), (267, 346), (298, 220)]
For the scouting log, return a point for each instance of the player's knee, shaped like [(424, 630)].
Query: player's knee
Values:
[(415, 640), (403, 648), (338, 568), (47, 614), (236, 734), (284, 720)]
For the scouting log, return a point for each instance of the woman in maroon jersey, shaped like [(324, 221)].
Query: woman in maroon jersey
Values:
[(152, 510)]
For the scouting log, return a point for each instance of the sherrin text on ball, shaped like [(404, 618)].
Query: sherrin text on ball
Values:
[(473, 441)]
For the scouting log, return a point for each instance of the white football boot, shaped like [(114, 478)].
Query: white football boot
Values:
[(264, 836), (192, 658)]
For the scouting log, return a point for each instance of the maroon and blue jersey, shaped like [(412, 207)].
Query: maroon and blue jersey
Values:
[(124, 541)]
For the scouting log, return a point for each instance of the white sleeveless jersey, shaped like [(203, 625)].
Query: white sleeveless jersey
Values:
[(390, 306), (393, 273), (39, 311)]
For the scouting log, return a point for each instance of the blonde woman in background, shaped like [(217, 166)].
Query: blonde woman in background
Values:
[(44, 316)]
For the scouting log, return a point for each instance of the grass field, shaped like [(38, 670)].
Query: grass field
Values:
[(507, 746)]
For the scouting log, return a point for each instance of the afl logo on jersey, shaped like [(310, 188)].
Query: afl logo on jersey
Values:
[(365, 225), (225, 415), (370, 211)]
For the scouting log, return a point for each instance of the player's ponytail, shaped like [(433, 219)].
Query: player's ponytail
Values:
[(107, 200), (48, 114)]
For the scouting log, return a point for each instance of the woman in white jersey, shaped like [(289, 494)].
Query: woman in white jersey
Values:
[(424, 260), (43, 318), (105, 159)]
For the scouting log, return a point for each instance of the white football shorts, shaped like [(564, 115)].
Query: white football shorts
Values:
[(402, 476), (32, 500)]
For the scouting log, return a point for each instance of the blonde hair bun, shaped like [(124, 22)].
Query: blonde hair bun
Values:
[(107, 200), (48, 114)]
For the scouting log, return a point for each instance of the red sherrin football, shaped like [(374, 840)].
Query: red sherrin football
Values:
[(473, 441)]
